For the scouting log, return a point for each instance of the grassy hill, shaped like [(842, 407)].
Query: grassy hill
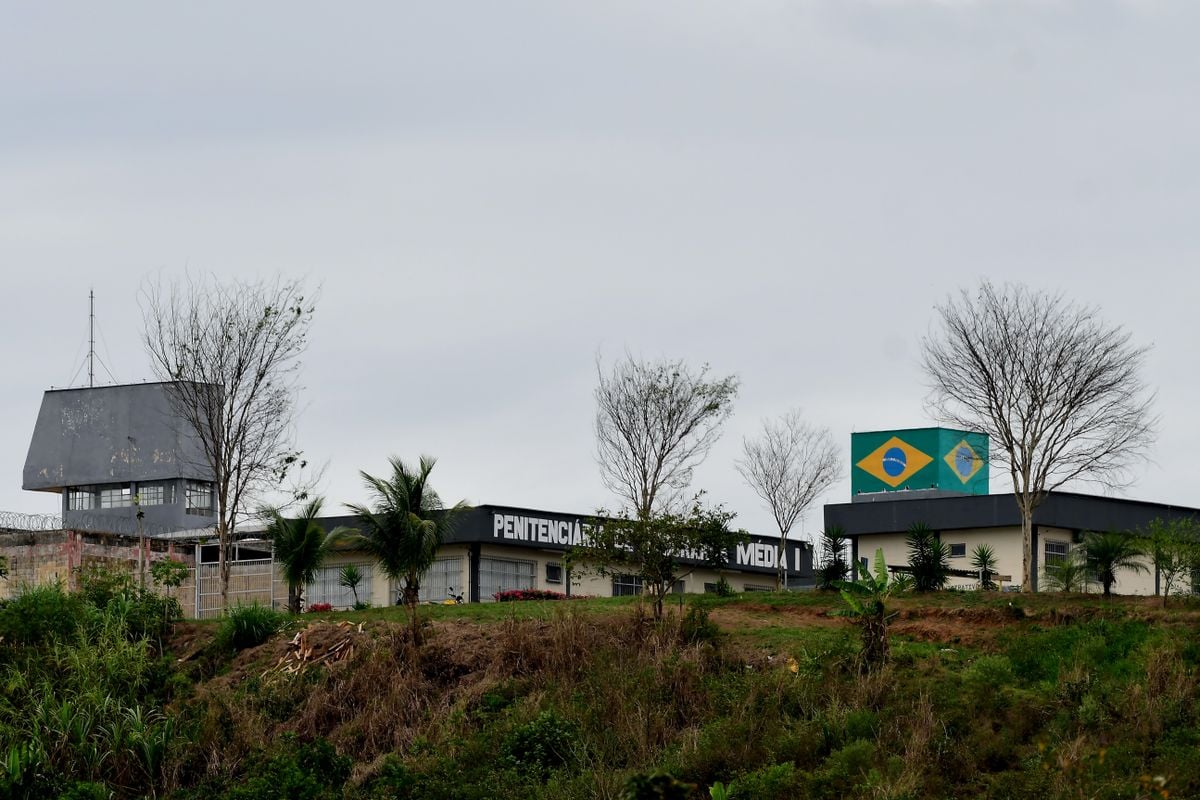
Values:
[(986, 696)]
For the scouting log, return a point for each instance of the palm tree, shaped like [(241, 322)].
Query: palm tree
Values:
[(1108, 552), (301, 546), (404, 527), (983, 559), (928, 558), (1067, 575), (350, 577)]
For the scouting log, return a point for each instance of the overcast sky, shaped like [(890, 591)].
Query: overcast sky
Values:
[(491, 194)]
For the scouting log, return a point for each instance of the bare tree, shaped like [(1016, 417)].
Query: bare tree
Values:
[(789, 466), (1058, 391), (230, 353), (655, 422)]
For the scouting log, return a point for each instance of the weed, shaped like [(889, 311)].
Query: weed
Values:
[(248, 626)]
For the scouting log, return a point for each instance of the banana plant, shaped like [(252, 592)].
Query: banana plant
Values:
[(866, 602)]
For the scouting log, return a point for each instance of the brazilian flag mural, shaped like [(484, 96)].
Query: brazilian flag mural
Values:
[(919, 458)]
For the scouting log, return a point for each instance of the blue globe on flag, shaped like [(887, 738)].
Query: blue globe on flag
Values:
[(894, 461), (964, 461)]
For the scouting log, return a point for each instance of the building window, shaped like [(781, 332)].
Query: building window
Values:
[(554, 572), (1056, 552), (155, 494), (500, 574), (442, 580), (326, 586), (710, 588), (626, 585), (199, 497), (759, 587), (81, 499), (958, 550), (115, 497)]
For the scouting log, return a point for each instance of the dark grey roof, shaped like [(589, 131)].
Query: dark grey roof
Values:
[(1081, 512), (110, 434)]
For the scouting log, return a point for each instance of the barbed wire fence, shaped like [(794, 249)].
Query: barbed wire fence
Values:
[(19, 521)]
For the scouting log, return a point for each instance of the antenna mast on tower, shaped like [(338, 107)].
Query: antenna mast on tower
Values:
[(91, 338)]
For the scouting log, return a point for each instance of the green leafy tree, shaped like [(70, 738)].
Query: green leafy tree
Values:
[(866, 600), (928, 558), (1109, 552), (661, 549), (983, 560), (404, 526), (1070, 574), (350, 577), (169, 573), (301, 545), (1174, 549)]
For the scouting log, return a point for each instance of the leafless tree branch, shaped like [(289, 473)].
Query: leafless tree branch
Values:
[(231, 354), (789, 466), (655, 422), (1058, 391)]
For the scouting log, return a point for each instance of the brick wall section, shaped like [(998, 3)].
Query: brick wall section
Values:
[(42, 557)]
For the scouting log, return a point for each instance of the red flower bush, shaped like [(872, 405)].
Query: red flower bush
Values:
[(314, 607), (513, 595)]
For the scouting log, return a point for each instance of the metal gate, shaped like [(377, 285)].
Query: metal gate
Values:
[(249, 582)]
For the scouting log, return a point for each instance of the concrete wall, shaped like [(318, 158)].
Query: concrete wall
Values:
[(1006, 543), (48, 557)]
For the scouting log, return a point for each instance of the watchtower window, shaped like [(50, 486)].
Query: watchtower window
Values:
[(199, 498), (115, 497), (81, 499)]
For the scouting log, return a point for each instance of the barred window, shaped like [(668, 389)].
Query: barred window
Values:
[(1056, 552), (156, 494), (759, 587), (498, 575), (199, 498), (442, 580), (81, 499), (958, 550), (115, 497), (326, 586), (626, 585), (554, 572)]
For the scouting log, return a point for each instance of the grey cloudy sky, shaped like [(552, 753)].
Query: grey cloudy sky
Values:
[(492, 193)]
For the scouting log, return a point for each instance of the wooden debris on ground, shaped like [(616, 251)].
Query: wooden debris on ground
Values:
[(307, 649)]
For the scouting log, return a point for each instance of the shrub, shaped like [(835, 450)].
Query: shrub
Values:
[(697, 627), (928, 558), (543, 744), (298, 771), (169, 572), (99, 584), (768, 783), (392, 781), (724, 588), (40, 614), (319, 607), (656, 787), (248, 626), (513, 595)]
